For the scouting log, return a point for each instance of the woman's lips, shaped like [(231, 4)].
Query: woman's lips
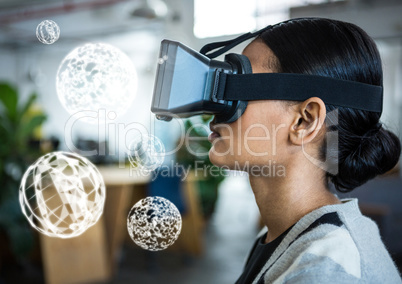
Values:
[(213, 136)]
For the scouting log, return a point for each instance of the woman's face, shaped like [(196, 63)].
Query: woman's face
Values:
[(260, 136)]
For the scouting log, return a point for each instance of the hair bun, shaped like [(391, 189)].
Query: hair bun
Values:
[(377, 127), (376, 152), (372, 132)]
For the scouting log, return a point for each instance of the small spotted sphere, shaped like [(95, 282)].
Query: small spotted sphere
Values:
[(154, 223)]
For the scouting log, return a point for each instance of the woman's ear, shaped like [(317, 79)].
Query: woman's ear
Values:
[(309, 118)]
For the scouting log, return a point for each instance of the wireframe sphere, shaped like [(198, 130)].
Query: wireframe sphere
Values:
[(62, 194), (47, 32), (146, 152), (154, 223), (96, 76)]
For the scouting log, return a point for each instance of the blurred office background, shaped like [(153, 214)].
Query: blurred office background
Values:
[(220, 218)]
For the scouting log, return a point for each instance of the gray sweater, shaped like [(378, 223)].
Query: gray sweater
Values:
[(333, 244)]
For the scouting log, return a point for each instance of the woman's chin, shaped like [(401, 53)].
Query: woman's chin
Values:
[(216, 160), (219, 160)]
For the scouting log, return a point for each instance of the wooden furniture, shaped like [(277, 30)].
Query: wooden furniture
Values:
[(93, 255), (77, 260), (124, 188)]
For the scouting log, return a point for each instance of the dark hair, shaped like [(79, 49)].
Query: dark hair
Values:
[(340, 50)]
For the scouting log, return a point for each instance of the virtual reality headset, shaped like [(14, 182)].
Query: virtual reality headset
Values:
[(192, 83)]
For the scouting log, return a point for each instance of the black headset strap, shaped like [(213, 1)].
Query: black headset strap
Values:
[(228, 44), (298, 87)]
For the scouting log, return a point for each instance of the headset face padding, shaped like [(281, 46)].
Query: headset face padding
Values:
[(242, 65)]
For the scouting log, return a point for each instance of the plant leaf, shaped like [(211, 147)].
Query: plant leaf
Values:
[(9, 97), (4, 138), (27, 104), (206, 118), (27, 128)]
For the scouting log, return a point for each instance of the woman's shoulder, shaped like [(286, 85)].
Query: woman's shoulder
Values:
[(333, 241), (342, 234), (343, 219)]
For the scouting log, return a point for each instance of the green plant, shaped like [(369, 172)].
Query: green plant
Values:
[(16, 153), (208, 181)]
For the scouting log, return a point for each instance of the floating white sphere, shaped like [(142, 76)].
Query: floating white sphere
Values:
[(154, 223), (47, 32), (96, 76), (146, 152), (62, 194)]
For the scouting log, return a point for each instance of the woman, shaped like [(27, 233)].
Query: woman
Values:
[(312, 236)]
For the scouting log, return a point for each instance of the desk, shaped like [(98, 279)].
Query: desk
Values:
[(123, 186), (93, 256)]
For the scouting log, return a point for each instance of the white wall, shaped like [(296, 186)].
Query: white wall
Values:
[(7, 66), (391, 52)]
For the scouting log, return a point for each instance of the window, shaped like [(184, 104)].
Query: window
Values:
[(226, 17)]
